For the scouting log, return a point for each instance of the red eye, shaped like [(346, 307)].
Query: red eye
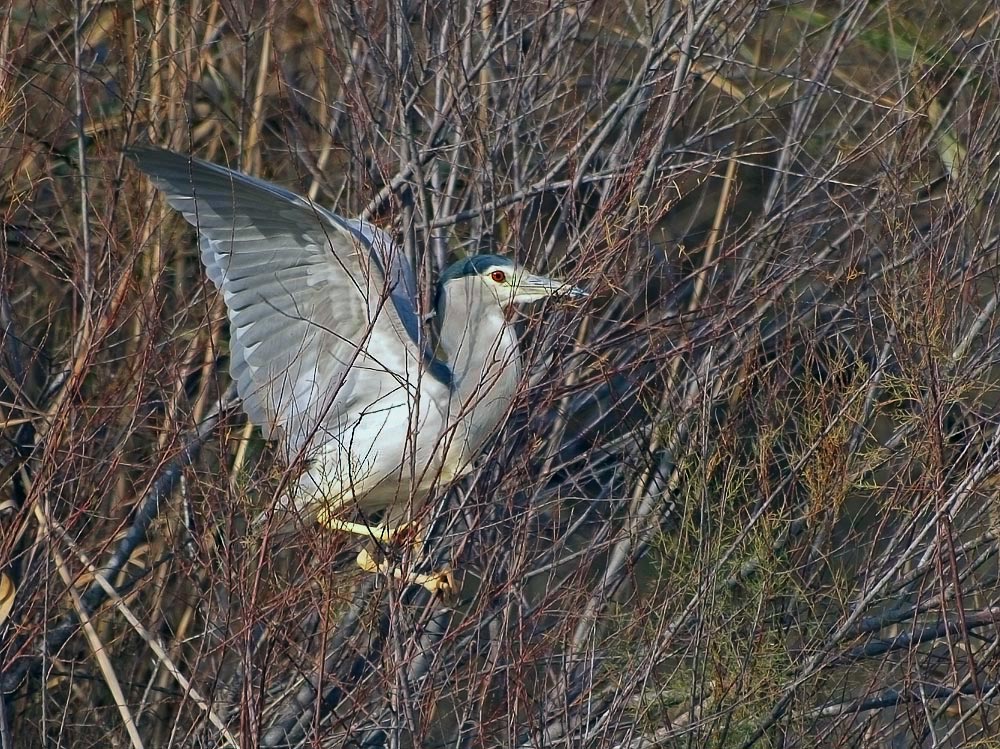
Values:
[(499, 276)]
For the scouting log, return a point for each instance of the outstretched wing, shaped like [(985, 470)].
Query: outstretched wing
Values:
[(322, 309)]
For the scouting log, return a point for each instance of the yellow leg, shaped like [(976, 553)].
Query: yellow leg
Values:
[(378, 533), (440, 582)]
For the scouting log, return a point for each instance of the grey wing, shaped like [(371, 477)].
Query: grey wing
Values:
[(402, 286), (316, 326)]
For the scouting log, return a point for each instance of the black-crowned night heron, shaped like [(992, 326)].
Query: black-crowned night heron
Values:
[(329, 354)]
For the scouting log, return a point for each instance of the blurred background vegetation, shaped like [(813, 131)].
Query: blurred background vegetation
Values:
[(748, 497)]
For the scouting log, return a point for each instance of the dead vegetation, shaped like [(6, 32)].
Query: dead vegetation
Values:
[(749, 495)]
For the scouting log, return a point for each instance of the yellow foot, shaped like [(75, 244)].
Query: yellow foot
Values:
[(439, 583)]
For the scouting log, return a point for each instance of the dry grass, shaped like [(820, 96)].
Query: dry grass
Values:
[(749, 494)]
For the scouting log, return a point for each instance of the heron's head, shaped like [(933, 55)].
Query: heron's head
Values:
[(507, 282)]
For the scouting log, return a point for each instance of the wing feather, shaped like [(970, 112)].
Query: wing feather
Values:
[(321, 309)]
